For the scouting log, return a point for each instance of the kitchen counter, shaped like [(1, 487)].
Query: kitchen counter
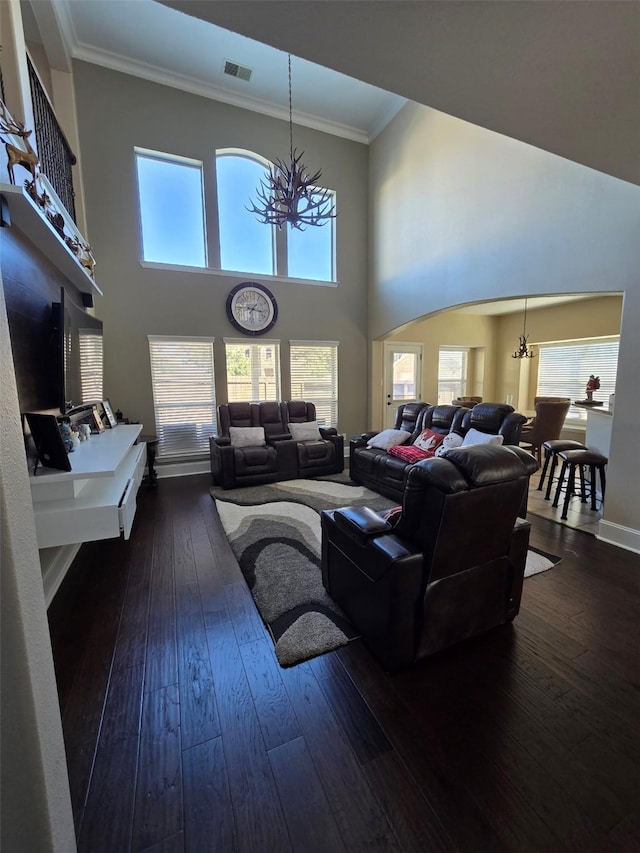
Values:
[(599, 424)]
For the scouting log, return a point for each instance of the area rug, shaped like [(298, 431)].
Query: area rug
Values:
[(274, 532)]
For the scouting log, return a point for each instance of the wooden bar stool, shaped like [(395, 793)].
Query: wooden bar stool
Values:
[(551, 450), (572, 459)]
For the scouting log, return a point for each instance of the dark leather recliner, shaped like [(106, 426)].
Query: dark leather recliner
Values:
[(496, 418), (452, 566), (315, 457), (255, 464)]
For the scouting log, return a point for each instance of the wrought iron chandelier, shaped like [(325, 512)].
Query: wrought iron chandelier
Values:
[(523, 350), (289, 194)]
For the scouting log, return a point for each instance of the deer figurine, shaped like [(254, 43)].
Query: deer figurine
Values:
[(26, 157)]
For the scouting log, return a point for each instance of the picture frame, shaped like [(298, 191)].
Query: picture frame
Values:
[(97, 425), (110, 417), (48, 440)]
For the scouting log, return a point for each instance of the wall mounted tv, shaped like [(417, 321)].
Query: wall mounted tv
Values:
[(78, 354)]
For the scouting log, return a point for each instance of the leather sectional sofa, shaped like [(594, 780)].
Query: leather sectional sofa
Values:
[(382, 472)]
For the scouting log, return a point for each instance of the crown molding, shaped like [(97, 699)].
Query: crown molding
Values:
[(154, 74)]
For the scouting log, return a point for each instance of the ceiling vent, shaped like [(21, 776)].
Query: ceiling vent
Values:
[(232, 69)]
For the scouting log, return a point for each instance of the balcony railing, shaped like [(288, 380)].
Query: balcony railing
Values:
[(55, 155)]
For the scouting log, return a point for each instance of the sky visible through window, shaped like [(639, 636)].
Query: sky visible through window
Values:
[(245, 243), (171, 211), (310, 252)]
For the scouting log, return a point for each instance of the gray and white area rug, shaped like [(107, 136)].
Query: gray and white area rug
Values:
[(274, 532)]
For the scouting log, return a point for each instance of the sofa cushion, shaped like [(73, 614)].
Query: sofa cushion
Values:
[(305, 431), (247, 436), (428, 440), (474, 436), (410, 453), (388, 438)]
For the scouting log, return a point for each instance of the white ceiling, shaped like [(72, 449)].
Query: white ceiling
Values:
[(158, 43)]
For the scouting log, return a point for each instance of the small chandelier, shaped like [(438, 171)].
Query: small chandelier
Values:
[(523, 350), (289, 193)]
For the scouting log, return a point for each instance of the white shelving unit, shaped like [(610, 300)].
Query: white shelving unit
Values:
[(95, 500)]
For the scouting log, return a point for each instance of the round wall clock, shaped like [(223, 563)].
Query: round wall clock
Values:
[(252, 308)]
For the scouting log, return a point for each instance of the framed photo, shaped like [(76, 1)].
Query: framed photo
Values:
[(109, 415), (48, 441), (97, 425)]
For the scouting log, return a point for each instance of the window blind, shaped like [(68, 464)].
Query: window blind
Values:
[(184, 400), (452, 373), (91, 364), (253, 371), (564, 369), (314, 377)]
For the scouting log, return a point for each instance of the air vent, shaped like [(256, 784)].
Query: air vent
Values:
[(235, 70)]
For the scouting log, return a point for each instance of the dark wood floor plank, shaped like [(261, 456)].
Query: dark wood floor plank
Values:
[(360, 818), (277, 720), (158, 805), (131, 644), (208, 814), (259, 820), (246, 621), (175, 844), (415, 823), (161, 659), (312, 827), (358, 723)]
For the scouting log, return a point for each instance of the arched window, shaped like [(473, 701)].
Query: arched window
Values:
[(246, 245)]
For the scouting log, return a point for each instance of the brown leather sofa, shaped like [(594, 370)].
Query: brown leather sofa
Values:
[(450, 568), (384, 473), (280, 457)]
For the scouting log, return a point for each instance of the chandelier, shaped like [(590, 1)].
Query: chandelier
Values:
[(289, 194), (523, 350)]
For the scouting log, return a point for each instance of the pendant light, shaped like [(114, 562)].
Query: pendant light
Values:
[(523, 350)]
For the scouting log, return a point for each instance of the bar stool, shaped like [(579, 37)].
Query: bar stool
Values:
[(551, 450), (579, 459)]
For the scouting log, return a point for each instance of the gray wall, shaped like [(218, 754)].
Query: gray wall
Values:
[(117, 112), (461, 214)]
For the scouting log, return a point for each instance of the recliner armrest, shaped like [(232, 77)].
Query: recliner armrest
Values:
[(221, 440), (328, 432), (360, 523), (283, 436)]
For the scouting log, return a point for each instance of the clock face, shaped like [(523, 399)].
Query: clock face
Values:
[(252, 308)]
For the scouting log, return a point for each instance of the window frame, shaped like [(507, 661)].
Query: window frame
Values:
[(331, 401), (202, 435), (255, 345)]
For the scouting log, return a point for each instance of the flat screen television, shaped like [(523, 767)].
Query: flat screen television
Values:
[(77, 354)]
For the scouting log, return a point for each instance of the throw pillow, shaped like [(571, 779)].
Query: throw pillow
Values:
[(410, 453), (392, 516), (247, 436), (388, 438), (428, 439), (451, 441), (304, 431), (474, 436)]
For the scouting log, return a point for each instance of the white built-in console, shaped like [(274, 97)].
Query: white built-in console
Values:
[(95, 500)]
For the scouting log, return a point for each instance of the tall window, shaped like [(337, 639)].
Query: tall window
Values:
[(253, 371), (310, 253), (91, 363), (564, 368), (452, 373), (314, 377), (171, 209), (183, 394), (246, 244)]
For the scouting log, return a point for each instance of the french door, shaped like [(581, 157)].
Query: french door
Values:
[(402, 377)]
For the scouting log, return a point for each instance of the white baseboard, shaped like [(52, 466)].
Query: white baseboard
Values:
[(54, 564), (616, 534)]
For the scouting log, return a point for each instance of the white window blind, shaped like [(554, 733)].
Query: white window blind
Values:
[(91, 364), (253, 371), (183, 394), (452, 373), (564, 369), (314, 377)]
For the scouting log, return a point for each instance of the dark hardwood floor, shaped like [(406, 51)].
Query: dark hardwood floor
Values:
[(184, 734)]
